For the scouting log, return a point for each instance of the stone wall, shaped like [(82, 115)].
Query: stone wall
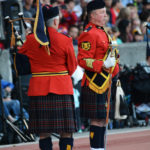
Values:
[(132, 53)]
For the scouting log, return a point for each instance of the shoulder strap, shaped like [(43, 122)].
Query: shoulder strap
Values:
[(88, 29)]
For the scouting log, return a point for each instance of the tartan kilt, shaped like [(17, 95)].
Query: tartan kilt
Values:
[(52, 114), (93, 105)]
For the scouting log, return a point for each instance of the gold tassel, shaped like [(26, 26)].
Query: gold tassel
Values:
[(15, 67), (47, 49), (12, 36)]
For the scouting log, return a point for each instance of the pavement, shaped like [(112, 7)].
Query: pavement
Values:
[(118, 139)]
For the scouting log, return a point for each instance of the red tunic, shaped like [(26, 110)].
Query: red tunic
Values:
[(96, 49), (61, 58)]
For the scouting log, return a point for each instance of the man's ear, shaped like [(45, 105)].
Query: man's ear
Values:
[(55, 22), (91, 15)]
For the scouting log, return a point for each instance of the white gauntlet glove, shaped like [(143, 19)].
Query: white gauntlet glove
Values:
[(110, 61)]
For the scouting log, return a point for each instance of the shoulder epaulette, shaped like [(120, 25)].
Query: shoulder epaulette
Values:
[(99, 27), (66, 35), (88, 29)]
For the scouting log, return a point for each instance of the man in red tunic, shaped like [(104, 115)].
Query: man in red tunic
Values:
[(50, 89), (93, 45)]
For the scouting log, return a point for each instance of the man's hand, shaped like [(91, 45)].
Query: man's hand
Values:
[(110, 61)]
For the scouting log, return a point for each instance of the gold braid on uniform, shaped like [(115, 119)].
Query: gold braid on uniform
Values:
[(89, 62), (12, 43)]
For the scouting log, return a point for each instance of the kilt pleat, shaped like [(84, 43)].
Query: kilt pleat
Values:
[(93, 105), (52, 114)]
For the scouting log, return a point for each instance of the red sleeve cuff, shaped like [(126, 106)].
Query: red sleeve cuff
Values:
[(97, 66), (116, 70)]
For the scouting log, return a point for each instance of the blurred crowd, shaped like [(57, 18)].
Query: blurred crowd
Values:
[(126, 22), (126, 19)]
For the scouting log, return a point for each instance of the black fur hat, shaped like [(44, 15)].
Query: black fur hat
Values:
[(95, 4), (50, 12)]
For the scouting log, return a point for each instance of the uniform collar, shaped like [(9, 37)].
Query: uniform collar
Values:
[(52, 29), (93, 25)]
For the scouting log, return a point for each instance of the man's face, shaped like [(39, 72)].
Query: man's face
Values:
[(45, 2), (147, 6), (29, 2), (71, 5), (60, 1), (119, 5), (108, 3), (57, 21), (74, 32), (99, 16)]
